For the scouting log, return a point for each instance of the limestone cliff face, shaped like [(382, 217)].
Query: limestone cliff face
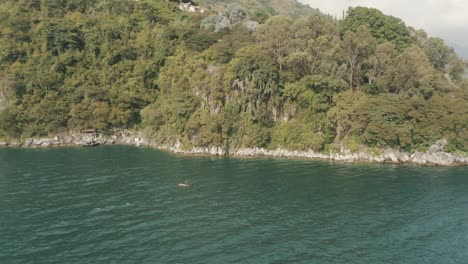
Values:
[(226, 20), (6, 88), (2, 100)]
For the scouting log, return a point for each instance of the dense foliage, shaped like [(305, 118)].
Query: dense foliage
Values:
[(299, 81)]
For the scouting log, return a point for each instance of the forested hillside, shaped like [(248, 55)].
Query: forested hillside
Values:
[(262, 9), (235, 76)]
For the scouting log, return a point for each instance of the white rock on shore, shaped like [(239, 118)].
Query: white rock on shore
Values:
[(388, 155), (435, 154), (79, 139)]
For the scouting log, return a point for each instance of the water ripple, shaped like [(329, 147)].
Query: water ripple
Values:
[(123, 205)]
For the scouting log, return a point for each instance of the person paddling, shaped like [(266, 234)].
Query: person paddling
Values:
[(185, 184)]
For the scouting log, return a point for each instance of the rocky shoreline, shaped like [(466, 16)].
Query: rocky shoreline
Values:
[(122, 137), (435, 155)]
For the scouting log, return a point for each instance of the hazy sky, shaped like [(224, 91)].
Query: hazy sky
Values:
[(447, 19)]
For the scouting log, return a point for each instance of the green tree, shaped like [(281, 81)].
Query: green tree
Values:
[(413, 75), (255, 77), (382, 27), (437, 52), (275, 37), (357, 48), (379, 64)]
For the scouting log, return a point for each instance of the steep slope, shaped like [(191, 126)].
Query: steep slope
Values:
[(262, 8), (299, 82)]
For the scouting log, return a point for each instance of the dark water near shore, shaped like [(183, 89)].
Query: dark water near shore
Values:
[(122, 205)]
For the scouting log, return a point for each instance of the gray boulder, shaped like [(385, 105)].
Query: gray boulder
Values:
[(251, 25), (235, 16), (419, 158), (28, 142), (439, 146), (441, 158), (389, 155), (403, 157)]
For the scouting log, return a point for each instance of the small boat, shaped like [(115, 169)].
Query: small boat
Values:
[(185, 184)]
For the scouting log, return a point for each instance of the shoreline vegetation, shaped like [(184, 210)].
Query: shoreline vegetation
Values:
[(435, 155), (243, 77)]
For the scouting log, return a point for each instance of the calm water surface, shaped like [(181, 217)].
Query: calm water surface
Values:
[(122, 205)]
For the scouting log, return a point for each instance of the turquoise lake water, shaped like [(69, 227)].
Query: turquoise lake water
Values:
[(121, 204)]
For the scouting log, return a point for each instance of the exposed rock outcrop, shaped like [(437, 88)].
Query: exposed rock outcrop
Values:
[(435, 155), (125, 137), (236, 16), (3, 100), (188, 7)]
